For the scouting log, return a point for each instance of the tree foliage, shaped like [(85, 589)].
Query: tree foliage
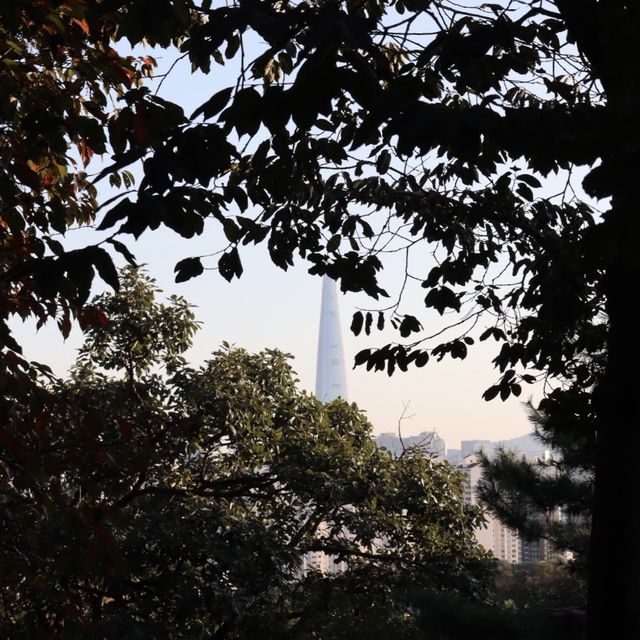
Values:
[(180, 502), (357, 128), (548, 499)]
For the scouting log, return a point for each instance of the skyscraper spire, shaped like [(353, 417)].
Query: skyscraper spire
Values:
[(331, 381)]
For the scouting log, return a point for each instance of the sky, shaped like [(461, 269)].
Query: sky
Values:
[(270, 308)]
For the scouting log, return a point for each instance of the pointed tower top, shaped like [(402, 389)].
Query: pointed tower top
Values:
[(331, 380)]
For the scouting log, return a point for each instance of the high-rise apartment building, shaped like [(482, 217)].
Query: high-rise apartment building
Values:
[(503, 542), (493, 535), (472, 469)]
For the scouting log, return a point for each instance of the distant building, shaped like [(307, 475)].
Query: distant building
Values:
[(322, 563), (506, 544), (472, 469), (430, 441), (328, 563), (331, 383), (467, 447), (534, 550), (331, 379), (453, 457), (494, 536)]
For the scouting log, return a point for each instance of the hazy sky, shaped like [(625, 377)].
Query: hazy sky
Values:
[(270, 308)]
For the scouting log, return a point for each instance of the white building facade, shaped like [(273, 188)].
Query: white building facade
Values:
[(504, 543), (331, 383), (331, 379)]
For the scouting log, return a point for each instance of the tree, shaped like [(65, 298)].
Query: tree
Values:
[(181, 501), (366, 89), (425, 124), (62, 85), (538, 589), (60, 76), (549, 499)]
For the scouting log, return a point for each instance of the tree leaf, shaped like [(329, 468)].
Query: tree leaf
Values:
[(442, 298), (122, 249), (229, 265), (532, 181), (383, 162), (119, 212), (368, 321), (491, 393), (409, 325), (421, 359), (334, 243), (361, 357), (187, 269), (103, 263), (356, 323)]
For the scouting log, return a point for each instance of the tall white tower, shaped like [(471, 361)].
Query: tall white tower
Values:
[(331, 380)]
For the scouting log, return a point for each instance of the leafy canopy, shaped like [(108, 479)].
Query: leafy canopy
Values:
[(355, 128), (182, 501)]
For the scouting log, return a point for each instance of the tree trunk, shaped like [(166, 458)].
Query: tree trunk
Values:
[(614, 571)]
